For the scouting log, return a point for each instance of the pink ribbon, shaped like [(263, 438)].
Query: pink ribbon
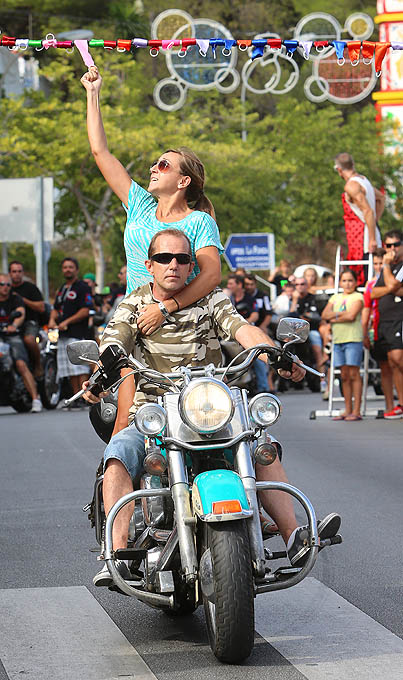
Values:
[(82, 46), (49, 43), (168, 44)]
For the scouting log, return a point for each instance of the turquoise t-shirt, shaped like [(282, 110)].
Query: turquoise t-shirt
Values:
[(142, 224)]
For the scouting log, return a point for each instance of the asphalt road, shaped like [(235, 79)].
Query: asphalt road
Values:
[(343, 622)]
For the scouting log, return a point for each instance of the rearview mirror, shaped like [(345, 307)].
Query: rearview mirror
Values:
[(83, 351), (292, 330)]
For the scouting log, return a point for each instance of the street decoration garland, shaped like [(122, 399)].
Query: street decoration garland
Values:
[(368, 50)]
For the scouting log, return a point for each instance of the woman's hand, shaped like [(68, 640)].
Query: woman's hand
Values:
[(149, 319), (91, 80)]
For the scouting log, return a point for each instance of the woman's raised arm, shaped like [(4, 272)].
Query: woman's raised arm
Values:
[(112, 169)]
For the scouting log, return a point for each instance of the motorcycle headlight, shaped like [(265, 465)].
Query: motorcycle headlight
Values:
[(150, 419), (264, 409), (53, 335), (206, 405)]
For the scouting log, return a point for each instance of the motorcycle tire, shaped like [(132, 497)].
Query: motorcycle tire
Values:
[(230, 619), (23, 404), (49, 387)]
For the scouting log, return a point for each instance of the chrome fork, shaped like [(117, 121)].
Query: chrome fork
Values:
[(246, 470), (183, 513)]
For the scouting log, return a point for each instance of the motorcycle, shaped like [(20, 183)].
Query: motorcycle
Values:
[(49, 386), (195, 535), (12, 389)]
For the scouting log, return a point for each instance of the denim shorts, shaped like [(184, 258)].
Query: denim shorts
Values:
[(315, 338), (348, 354), (17, 348), (128, 447)]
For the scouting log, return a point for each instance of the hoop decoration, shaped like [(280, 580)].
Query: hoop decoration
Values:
[(22, 44), (380, 52), (367, 51), (339, 46), (227, 50), (50, 41), (320, 45), (396, 45), (354, 49)]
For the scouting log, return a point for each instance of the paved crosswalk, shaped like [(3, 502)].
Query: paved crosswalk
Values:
[(64, 633)]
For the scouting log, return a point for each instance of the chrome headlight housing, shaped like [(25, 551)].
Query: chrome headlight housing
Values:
[(265, 409), (206, 405), (53, 335), (150, 419)]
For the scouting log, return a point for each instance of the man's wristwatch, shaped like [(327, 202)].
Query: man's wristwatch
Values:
[(163, 309)]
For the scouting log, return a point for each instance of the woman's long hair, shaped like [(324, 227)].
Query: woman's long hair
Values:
[(192, 166)]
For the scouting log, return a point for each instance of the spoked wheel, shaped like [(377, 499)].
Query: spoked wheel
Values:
[(49, 387), (228, 593)]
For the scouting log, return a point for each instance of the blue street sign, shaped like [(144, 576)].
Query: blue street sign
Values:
[(251, 251)]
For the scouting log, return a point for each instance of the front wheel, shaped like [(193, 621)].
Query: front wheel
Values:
[(49, 387), (229, 607)]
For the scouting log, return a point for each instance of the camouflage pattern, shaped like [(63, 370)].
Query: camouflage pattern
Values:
[(186, 338)]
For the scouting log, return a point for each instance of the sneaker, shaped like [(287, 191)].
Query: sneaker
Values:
[(36, 406), (298, 551), (103, 577), (394, 414)]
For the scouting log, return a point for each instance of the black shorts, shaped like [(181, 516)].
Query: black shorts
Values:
[(390, 335), (379, 351)]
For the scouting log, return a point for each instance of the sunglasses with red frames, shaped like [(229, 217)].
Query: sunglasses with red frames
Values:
[(162, 166), (166, 258), (395, 244)]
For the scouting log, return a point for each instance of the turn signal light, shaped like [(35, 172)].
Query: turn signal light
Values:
[(226, 507), (155, 464)]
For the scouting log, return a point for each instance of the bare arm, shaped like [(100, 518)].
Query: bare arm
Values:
[(115, 174), (249, 336), (17, 323), (82, 314), (349, 315), (365, 316), (38, 306), (328, 312), (253, 317), (379, 203)]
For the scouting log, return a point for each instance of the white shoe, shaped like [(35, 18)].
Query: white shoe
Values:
[(36, 406)]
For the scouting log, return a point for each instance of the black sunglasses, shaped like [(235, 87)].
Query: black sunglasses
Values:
[(395, 244), (166, 258), (5, 284)]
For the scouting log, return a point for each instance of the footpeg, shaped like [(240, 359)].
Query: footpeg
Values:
[(334, 540)]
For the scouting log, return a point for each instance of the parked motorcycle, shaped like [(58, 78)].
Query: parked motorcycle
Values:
[(12, 389), (195, 531), (49, 386)]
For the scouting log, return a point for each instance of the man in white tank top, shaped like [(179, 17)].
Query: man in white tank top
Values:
[(364, 200)]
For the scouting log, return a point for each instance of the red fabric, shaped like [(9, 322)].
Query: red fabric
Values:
[(368, 49), (354, 47), (274, 43), (372, 305), (355, 239), (380, 51)]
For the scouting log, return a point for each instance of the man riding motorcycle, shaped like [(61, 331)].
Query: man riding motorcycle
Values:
[(188, 337), (10, 302)]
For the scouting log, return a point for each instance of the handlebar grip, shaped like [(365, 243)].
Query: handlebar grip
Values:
[(285, 361), (96, 390)]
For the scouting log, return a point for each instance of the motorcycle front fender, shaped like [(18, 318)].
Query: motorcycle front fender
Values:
[(219, 496)]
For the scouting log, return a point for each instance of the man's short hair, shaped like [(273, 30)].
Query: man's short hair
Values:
[(345, 161), (70, 259), (15, 262), (394, 233), (251, 277), (239, 279), (169, 232)]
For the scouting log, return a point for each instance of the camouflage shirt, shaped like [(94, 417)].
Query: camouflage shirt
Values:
[(186, 338)]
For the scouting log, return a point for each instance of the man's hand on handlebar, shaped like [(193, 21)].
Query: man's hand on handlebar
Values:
[(89, 396), (297, 374)]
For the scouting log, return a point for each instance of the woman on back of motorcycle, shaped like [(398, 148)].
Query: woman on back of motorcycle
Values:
[(344, 313), (175, 199)]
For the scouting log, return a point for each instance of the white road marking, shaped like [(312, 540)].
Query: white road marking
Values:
[(324, 636), (63, 634)]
